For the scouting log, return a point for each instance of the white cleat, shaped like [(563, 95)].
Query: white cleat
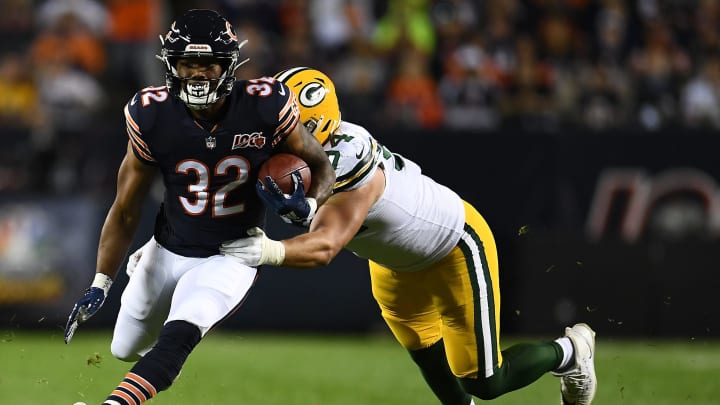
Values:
[(578, 383)]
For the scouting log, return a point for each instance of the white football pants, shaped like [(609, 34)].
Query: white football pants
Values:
[(168, 287)]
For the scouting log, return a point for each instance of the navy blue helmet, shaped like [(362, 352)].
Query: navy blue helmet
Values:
[(203, 34)]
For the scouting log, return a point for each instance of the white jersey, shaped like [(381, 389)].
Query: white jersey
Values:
[(416, 221)]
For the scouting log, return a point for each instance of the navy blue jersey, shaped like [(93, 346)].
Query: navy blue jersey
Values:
[(209, 170)]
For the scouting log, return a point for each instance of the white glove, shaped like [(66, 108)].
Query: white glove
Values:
[(134, 258), (255, 250)]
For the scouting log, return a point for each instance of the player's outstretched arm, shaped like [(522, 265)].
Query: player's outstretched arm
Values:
[(134, 181), (335, 224)]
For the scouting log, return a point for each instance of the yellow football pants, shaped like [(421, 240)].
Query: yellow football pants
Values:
[(456, 299)]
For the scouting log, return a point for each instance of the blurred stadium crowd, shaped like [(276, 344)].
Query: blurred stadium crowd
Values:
[(68, 66)]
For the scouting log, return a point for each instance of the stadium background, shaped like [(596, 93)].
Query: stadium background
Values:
[(584, 131)]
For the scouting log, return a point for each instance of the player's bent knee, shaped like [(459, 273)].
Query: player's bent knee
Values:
[(124, 352), (411, 340), (485, 389)]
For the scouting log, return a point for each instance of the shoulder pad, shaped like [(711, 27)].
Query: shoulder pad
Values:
[(275, 104), (140, 115), (355, 155)]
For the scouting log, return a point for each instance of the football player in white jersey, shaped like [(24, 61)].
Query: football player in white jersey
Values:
[(433, 262)]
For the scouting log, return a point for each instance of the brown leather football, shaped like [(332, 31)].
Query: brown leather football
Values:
[(280, 166)]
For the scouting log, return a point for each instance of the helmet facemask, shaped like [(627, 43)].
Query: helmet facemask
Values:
[(201, 34), (198, 92)]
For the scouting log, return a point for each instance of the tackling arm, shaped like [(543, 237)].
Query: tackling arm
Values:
[(335, 224)]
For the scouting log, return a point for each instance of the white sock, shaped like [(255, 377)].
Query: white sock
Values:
[(568, 352)]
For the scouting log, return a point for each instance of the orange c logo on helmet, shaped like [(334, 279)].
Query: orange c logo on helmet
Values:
[(230, 31)]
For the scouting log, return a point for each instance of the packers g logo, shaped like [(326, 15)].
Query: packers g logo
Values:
[(312, 94)]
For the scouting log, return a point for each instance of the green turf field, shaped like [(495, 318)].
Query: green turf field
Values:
[(241, 368)]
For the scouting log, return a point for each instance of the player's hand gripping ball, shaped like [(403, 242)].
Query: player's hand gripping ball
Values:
[(282, 183), (280, 167)]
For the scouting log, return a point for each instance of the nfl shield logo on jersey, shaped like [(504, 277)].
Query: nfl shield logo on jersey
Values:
[(210, 142)]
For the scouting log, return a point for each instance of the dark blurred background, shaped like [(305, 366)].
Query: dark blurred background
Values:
[(584, 131)]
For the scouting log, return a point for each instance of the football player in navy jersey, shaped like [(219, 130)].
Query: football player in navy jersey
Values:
[(434, 266), (207, 134)]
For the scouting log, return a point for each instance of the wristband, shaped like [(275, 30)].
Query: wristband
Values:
[(273, 252), (102, 281)]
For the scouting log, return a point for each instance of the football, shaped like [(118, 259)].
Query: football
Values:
[(280, 166)]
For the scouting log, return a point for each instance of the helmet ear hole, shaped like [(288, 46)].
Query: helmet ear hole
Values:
[(325, 127)]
